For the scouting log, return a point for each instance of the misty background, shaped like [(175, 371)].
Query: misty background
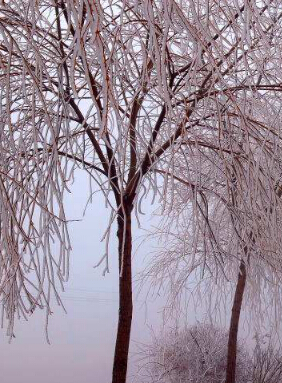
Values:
[(82, 341)]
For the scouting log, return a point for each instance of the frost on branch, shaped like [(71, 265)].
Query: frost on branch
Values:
[(195, 354), (137, 93)]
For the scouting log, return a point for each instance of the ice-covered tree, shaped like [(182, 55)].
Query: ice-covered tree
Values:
[(267, 360), (222, 221), (123, 90), (194, 354)]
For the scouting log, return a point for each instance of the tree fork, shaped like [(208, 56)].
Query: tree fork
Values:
[(125, 295), (234, 324)]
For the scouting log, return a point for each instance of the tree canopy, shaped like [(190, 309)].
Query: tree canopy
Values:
[(137, 94)]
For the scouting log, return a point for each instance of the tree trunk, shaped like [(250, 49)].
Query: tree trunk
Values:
[(125, 296), (234, 324)]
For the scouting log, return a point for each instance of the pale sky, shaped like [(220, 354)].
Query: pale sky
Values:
[(82, 341)]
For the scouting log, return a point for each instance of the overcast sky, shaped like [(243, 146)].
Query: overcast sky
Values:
[(82, 341)]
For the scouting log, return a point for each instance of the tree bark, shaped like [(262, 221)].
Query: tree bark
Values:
[(125, 296), (234, 324)]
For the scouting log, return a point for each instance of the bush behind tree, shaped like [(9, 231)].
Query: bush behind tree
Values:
[(198, 354)]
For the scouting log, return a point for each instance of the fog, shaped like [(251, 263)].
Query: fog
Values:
[(82, 340)]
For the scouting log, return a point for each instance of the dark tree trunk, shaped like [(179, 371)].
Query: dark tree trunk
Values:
[(125, 296), (234, 324)]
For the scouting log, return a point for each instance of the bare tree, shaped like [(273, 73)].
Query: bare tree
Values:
[(124, 90), (223, 205), (223, 224)]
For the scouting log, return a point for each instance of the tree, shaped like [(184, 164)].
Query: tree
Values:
[(195, 354), (118, 89), (198, 354), (224, 225), (267, 362), (223, 219)]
